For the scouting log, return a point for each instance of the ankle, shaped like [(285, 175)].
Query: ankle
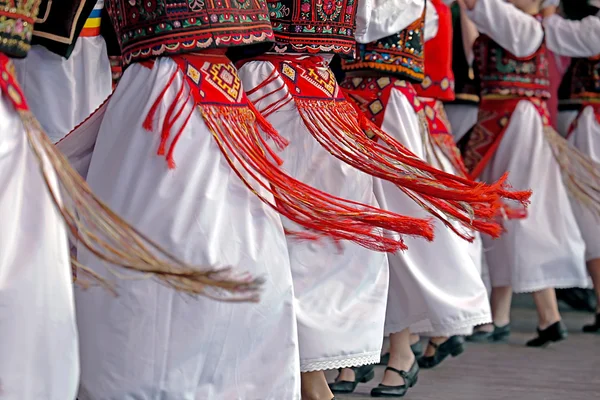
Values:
[(545, 323), (501, 322)]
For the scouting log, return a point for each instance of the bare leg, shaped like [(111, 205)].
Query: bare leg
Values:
[(547, 307), (501, 300), (593, 267), (314, 386), (346, 374), (401, 357)]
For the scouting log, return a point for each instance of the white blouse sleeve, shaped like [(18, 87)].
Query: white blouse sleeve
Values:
[(573, 38), (432, 20), (517, 32), (376, 19)]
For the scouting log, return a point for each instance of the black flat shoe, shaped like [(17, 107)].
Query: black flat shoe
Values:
[(416, 348), (593, 328), (362, 374), (554, 333), (499, 334), (410, 380), (454, 346)]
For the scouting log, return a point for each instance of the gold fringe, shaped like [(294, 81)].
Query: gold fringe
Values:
[(581, 174), (95, 226)]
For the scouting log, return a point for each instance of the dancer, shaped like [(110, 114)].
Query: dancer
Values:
[(544, 250), (41, 196), (421, 296), (68, 61), (580, 90)]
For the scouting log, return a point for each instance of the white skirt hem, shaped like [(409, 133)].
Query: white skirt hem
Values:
[(352, 360)]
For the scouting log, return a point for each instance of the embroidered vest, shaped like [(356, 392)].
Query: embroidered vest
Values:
[(400, 55), (501, 73), (153, 28), (16, 26), (61, 22), (314, 26), (465, 87), (582, 81), (438, 82)]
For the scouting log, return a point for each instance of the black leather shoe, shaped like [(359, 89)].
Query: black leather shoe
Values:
[(416, 348), (410, 379), (554, 333), (499, 334), (454, 346), (593, 328), (362, 374)]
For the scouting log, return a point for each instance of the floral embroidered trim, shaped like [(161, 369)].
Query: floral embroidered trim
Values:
[(16, 26)]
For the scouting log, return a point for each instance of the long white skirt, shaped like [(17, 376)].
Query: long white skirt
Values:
[(544, 250), (462, 117), (151, 342), (63, 92), (340, 295), (38, 337), (435, 288), (586, 138)]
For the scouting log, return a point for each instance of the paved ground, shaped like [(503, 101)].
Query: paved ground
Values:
[(565, 371)]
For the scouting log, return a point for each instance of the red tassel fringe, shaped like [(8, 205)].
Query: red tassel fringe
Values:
[(235, 131), (338, 128)]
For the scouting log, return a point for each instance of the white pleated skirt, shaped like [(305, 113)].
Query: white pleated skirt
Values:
[(151, 342), (38, 337), (340, 293), (435, 288), (586, 138), (546, 249), (61, 92)]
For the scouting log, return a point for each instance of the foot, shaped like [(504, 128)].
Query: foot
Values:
[(314, 386), (391, 378), (553, 333), (490, 334), (417, 349), (407, 377), (438, 352), (595, 327), (346, 382)]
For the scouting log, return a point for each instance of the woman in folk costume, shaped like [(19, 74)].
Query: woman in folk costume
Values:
[(41, 197), (340, 317), (434, 288), (67, 74), (580, 91), (545, 250)]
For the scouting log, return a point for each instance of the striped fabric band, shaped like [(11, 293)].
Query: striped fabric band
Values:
[(92, 25)]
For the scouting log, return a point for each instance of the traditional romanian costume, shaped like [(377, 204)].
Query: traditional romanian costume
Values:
[(67, 74), (41, 196), (580, 105), (428, 280), (545, 249), (340, 290)]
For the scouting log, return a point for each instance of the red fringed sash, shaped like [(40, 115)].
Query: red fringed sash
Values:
[(595, 105), (337, 126), (581, 175), (213, 86)]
